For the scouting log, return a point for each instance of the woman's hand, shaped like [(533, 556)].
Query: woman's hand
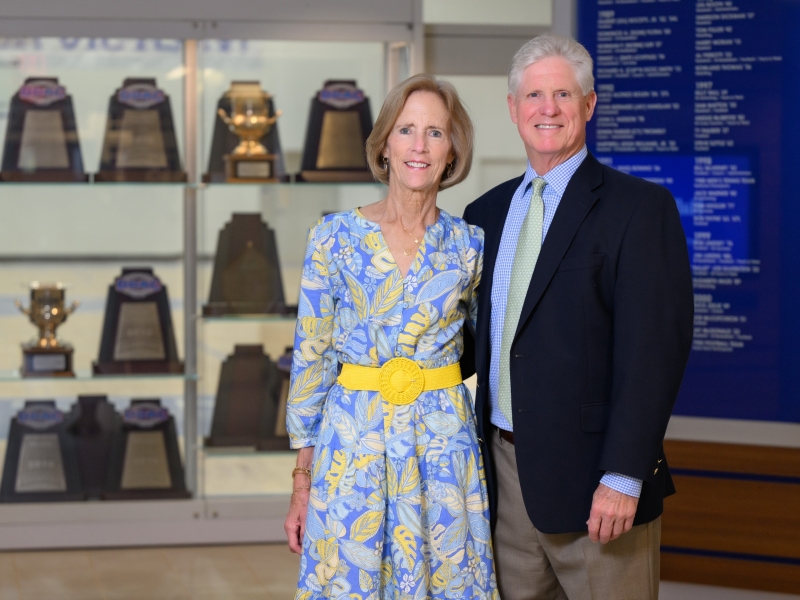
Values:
[(295, 524)]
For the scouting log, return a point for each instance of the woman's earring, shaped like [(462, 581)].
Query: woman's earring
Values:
[(448, 172), (385, 164)]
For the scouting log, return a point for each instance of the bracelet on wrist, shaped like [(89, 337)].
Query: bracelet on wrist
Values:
[(303, 470)]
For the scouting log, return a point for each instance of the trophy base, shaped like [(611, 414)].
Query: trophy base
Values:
[(137, 367), (29, 497), (44, 175), (145, 494), (276, 444), (334, 176), (231, 441), (141, 176), (250, 169), (221, 177), (220, 309), (47, 362)]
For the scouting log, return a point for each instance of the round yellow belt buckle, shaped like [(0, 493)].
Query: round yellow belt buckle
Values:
[(401, 380)]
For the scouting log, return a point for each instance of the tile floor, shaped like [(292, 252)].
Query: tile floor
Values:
[(262, 572), (253, 572)]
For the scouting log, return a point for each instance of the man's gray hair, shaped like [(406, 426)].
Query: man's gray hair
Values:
[(548, 46)]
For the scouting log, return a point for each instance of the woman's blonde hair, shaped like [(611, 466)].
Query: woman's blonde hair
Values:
[(460, 128)]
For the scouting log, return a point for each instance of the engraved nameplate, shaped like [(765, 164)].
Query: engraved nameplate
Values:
[(48, 362), (139, 335), (145, 465), (254, 169), (341, 145), (43, 144), (141, 144), (40, 467)]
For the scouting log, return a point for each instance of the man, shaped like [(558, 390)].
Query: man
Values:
[(583, 333)]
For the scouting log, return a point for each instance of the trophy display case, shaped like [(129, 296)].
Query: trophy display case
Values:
[(193, 147), (253, 235)]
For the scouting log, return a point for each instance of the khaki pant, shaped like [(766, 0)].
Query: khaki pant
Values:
[(532, 565)]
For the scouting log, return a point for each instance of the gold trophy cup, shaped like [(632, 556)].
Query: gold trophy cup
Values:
[(47, 356), (250, 161)]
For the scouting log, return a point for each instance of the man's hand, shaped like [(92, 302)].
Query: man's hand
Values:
[(611, 515)]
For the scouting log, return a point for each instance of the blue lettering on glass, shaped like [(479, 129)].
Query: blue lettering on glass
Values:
[(165, 46), (170, 46), (113, 45), (70, 43)]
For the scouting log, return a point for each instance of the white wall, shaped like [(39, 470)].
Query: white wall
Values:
[(481, 12)]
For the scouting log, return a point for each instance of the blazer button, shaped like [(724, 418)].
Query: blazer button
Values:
[(656, 471)]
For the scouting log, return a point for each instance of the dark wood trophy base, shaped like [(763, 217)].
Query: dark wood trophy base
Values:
[(221, 309), (259, 168), (246, 406), (147, 494), (141, 176), (47, 362), (276, 444), (340, 176), (41, 463), (44, 175), (145, 461), (138, 367)]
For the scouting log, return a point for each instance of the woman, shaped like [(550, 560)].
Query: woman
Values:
[(389, 494)]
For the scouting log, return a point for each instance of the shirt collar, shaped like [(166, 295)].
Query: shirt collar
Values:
[(558, 177)]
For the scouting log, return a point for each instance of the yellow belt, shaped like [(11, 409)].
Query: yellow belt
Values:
[(400, 380)]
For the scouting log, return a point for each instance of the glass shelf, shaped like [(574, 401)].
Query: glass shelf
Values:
[(359, 184), (250, 318), (248, 452), (203, 185), (27, 184), (14, 375)]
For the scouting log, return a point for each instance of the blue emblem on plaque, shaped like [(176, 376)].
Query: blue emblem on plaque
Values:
[(341, 95), (146, 415), (141, 95), (40, 417), (138, 285), (42, 92)]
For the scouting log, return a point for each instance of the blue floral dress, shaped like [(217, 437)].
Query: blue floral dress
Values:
[(398, 506)]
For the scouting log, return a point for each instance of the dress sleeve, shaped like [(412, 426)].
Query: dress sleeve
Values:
[(314, 363), (476, 245)]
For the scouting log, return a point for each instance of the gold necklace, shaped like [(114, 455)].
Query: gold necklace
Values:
[(408, 251)]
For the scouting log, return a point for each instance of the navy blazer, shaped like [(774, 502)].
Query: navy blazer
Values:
[(600, 348)]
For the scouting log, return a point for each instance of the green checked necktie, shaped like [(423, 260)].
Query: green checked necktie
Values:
[(529, 243)]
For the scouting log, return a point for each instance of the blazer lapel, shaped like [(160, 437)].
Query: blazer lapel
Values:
[(493, 232), (578, 200)]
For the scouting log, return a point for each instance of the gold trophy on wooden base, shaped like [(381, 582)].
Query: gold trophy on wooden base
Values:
[(250, 161), (47, 356)]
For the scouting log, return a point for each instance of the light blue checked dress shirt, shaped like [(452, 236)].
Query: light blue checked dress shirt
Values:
[(557, 180)]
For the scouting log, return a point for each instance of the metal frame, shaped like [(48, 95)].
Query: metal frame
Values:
[(190, 429)]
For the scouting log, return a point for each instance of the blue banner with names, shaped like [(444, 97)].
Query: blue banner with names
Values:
[(701, 96)]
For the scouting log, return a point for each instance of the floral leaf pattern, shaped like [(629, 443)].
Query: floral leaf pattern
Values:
[(398, 505)]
